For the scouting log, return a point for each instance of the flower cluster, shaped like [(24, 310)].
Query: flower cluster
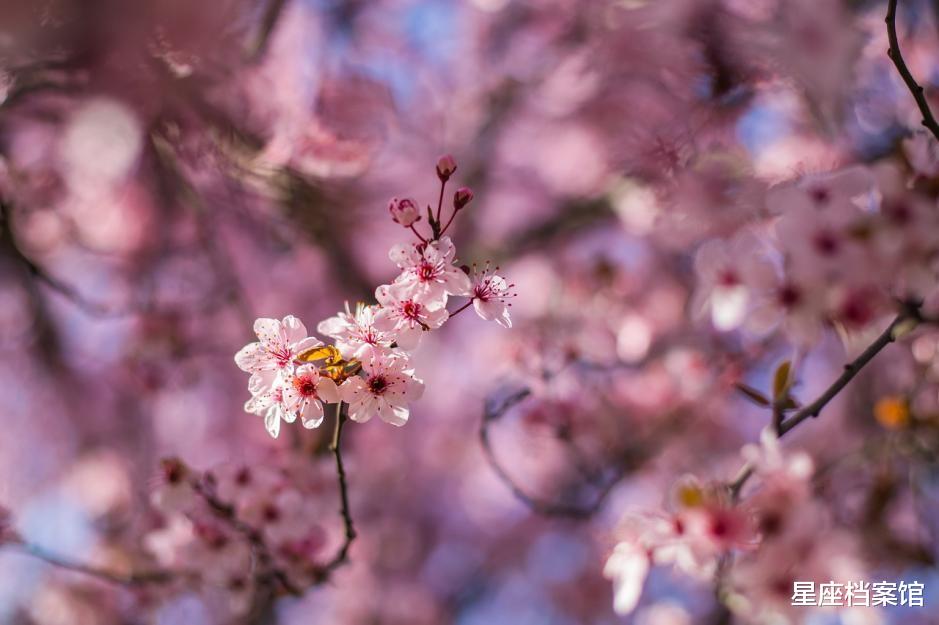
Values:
[(837, 249), (234, 526), (368, 364)]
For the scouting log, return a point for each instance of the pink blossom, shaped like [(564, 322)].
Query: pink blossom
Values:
[(404, 211), (727, 275), (628, 566), (279, 343), (404, 317), (269, 403), (385, 389), (357, 336), (427, 270), (490, 293), (306, 391)]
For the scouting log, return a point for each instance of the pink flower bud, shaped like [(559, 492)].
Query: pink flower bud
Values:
[(462, 197), (445, 167), (404, 211)]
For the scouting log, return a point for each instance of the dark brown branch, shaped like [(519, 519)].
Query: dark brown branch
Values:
[(493, 411), (910, 314), (272, 14), (39, 274), (919, 94), (342, 556)]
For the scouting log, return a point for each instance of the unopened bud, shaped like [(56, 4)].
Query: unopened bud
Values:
[(404, 211), (462, 197), (445, 167)]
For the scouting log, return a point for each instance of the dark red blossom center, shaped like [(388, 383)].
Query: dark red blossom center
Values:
[(411, 309), (789, 296), (377, 385), (305, 386), (270, 513), (426, 271), (826, 243)]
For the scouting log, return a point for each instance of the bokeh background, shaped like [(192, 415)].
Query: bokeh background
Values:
[(171, 170)]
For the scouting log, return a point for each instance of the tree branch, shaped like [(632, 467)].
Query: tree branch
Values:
[(915, 88), (602, 485), (123, 579), (888, 336), (342, 556)]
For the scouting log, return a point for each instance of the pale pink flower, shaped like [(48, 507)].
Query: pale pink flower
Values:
[(269, 403), (404, 211), (818, 243), (279, 343), (727, 273), (385, 389), (490, 293), (627, 567), (356, 335), (821, 191), (239, 484), (306, 391), (280, 516), (428, 272), (174, 491), (404, 317), (795, 305)]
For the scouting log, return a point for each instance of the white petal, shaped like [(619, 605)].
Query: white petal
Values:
[(327, 390), (294, 330), (312, 415), (272, 421), (252, 357), (271, 333)]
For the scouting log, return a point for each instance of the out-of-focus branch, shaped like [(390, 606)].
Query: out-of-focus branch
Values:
[(909, 314), (9, 244), (272, 14), (603, 484), (919, 93), (114, 577)]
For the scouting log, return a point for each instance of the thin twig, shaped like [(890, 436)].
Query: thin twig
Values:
[(888, 336), (123, 579), (272, 14), (919, 94), (603, 485), (8, 241), (342, 556)]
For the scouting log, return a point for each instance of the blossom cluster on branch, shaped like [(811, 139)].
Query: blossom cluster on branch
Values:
[(368, 367)]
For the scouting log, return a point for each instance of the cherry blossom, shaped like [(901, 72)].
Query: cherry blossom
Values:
[(306, 391), (427, 270), (356, 334), (386, 389), (279, 343), (490, 293), (405, 318)]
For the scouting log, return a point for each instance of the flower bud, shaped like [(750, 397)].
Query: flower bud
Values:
[(445, 167), (404, 211), (462, 197)]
